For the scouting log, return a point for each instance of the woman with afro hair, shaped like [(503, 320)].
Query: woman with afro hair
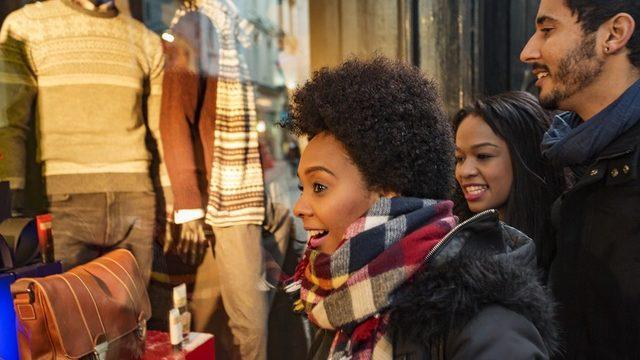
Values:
[(388, 271)]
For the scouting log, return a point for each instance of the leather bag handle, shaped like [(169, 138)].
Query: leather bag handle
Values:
[(22, 292)]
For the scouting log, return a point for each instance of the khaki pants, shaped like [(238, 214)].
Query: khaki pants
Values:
[(234, 272), (239, 271)]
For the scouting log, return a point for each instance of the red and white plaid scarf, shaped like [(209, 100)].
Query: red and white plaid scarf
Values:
[(349, 290)]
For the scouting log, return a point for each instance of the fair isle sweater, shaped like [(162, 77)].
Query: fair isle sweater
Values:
[(93, 77)]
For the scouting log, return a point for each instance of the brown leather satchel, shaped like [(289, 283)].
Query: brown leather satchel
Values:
[(97, 310)]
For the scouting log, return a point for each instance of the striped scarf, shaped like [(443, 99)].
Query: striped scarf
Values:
[(349, 290), (236, 189)]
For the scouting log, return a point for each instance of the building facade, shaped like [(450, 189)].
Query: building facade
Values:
[(470, 47)]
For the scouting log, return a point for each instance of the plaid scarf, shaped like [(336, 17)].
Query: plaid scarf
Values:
[(349, 290)]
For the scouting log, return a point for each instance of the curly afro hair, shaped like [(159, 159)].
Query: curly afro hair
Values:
[(390, 119)]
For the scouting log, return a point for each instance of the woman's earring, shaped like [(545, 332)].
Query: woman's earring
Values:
[(606, 50)]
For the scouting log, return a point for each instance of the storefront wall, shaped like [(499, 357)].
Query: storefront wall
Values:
[(340, 29), (436, 39), (471, 47)]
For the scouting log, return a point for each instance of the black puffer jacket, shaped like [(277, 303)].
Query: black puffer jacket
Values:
[(478, 298)]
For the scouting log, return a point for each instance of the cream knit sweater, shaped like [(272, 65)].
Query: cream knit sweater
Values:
[(93, 77)]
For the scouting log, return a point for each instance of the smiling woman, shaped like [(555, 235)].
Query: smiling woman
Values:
[(499, 165), (384, 248), (483, 165)]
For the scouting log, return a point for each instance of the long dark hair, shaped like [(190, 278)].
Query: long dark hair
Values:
[(520, 121)]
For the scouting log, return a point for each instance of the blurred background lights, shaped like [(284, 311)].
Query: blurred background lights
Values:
[(168, 37), (261, 126)]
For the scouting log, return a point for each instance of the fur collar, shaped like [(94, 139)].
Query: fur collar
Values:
[(441, 301)]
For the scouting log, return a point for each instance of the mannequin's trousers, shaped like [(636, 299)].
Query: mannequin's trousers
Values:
[(239, 268)]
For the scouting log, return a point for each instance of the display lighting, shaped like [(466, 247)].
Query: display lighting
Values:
[(168, 37), (264, 102), (261, 126)]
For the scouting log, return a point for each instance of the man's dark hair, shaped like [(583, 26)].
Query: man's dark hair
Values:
[(518, 119), (389, 118), (593, 13)]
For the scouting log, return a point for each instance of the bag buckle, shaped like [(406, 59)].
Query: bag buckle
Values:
[(28, 290), (100, 351), (31, 293)]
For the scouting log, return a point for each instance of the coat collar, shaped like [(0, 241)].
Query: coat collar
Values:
[(570, 141), (484, 263)]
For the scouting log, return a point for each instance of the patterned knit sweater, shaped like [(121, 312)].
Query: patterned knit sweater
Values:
[(98, 81)]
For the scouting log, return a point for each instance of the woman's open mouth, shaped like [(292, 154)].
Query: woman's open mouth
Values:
[(316, 237)]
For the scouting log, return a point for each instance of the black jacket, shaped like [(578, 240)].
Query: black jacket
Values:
[(595, 274), (478, 298)]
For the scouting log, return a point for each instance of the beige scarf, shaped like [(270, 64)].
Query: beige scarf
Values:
[(236, 190)]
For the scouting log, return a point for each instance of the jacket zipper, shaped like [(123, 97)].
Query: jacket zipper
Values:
[(455, 229)]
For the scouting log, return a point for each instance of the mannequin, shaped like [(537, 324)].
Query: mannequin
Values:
[(94, 158), (190, 86), (192, 99), (17, 194)]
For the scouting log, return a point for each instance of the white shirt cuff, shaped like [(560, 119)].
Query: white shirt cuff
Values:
[(186, 215)]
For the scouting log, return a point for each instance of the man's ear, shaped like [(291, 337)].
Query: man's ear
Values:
[(618, 31)]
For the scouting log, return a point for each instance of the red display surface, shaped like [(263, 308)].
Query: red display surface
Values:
[(200, 346)]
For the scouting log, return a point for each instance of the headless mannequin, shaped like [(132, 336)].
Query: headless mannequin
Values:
[(191, 243), (117, 187), (17, 195), (191, 237)]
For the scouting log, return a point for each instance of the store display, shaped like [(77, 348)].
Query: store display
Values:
[(236, 184), (94, 78), (108, 294), (235, 198)]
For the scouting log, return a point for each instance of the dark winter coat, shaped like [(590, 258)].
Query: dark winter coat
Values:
[(478, 298), (595, 274)]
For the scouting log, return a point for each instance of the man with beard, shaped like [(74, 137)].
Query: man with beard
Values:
[(586, 55)]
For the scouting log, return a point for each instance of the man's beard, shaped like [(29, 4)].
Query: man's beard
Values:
[(577, 70)]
